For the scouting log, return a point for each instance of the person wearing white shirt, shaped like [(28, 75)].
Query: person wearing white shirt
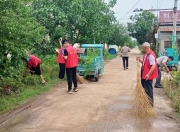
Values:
[(161, 61)]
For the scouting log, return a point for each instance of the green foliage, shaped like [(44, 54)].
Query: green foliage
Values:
[(78, 20), (172, 89), (155, 49), (108, 56), (18, 31), (140, 25), (88, 61)]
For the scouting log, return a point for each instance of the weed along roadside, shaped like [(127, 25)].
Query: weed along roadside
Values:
[(108, 56), (172, 88)]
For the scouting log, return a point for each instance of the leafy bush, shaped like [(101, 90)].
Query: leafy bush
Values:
[(13, 80)]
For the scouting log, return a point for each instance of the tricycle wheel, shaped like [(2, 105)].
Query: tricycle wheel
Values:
[(97, 78)]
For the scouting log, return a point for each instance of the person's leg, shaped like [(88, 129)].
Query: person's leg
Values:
[(69, 78), (123, 59), (42, 79), (38, 72), (158, 80), (127, 62), (74, 79), (149, 89), (62, 70)]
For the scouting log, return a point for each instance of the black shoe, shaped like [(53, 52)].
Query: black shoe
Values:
[(158, 86), (126, 67)]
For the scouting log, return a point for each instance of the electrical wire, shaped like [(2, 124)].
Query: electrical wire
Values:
[(161, 3), (130, 9), (153, 3)]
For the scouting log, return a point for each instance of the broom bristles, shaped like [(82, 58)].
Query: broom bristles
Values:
[(81, 79), (142, 106)]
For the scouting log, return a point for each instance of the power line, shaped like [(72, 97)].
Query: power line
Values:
[(130, 10), (161, 3), (153, 3)]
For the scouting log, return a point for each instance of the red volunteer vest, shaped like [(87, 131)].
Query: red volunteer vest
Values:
[(147, 67), (72, 59), (34, 61), (60, 59)]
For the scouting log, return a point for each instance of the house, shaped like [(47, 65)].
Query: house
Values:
[(165, 30)]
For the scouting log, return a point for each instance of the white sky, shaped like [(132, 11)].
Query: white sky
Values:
[(124, 6)]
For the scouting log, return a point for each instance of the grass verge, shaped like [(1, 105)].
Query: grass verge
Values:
[(172, 89), (109, 57), (8, 102)]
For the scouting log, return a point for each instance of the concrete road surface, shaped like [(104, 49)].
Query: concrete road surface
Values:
[(98, 107)]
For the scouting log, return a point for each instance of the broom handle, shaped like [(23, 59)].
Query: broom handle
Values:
[(138, 71)]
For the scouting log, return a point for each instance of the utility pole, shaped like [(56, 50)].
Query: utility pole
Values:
[(174, 36), (175, 16)]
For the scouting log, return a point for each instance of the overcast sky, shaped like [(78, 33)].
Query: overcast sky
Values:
[(123, 7)]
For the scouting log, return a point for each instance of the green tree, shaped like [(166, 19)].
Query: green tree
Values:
[(140, 25), (119, 34), (84, 21), (18, 31)]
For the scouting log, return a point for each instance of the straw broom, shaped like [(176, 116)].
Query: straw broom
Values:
[(141, 104), (81, 79)]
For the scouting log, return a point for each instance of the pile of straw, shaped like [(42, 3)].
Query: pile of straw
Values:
[(81, 79), (141, 104)]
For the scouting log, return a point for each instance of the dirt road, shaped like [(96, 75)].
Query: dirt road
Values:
[(98, 107)]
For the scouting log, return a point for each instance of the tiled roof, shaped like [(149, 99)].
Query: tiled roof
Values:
[(168, 29)]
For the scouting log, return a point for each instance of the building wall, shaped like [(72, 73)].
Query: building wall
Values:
[(164, 37)]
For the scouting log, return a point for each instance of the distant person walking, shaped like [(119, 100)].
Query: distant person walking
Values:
[(33, 64), (125, 57), (162, 63), (71, 62), (61, 62)]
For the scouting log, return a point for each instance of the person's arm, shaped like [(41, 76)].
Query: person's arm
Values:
[(152, 69), (153, 66), (129, 50), (121, 50), (164, 64), (65, 55)]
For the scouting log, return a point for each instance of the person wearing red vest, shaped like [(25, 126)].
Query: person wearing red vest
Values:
[(149, 70), (33, 63), (61, 62), (71, 62)]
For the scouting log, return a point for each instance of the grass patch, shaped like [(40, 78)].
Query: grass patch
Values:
[(109, 57), (172, 89), (9, 102)]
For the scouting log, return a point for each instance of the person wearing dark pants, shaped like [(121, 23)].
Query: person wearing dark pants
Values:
[(158, 80), (71, 77), (147, 85), (162, 62), (33, 64), (149, 70), (125, 62), (71, 62), (62, 70), (61, 62), (124, 53)]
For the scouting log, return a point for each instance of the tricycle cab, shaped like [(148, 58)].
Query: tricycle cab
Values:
[(97, 66)]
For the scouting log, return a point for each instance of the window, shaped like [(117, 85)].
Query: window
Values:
[(167, 44)]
